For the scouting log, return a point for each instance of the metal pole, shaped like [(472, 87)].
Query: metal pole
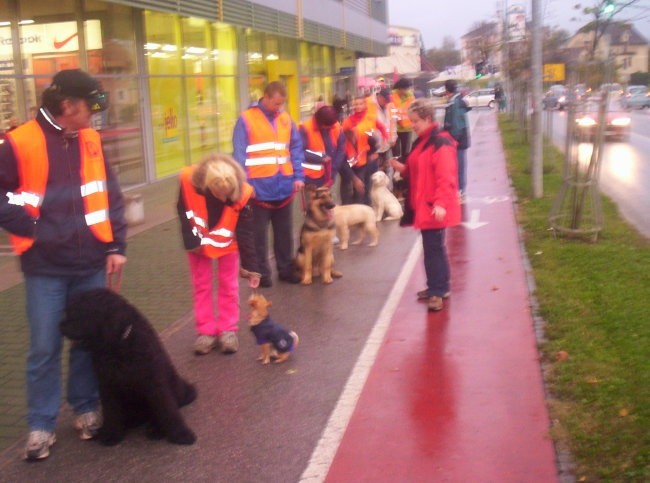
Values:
[(537, 148)]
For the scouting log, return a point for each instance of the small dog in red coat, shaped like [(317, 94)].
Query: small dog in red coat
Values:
[(275, 341)]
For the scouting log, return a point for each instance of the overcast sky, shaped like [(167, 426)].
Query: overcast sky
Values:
[(437, 19)]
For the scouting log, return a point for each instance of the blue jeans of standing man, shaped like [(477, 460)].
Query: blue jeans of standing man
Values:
[(462, 170), (436, 263), (46, 300)]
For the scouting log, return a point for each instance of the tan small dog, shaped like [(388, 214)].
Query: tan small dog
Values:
[(275, 341), (383, 201), (349, 216)]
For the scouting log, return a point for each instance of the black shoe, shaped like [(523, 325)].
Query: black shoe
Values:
[(289, 278), (265, 282)]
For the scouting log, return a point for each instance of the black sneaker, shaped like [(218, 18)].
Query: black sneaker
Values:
[(289, 278)]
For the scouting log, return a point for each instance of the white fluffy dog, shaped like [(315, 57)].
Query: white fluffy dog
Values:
[(383, 201), (349, 216)]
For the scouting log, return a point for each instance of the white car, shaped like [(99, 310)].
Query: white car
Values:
[(481, 98)]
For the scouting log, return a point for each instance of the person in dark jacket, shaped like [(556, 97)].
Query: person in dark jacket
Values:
[(324, 143), (217, 224), (457, 125), (63, 207)]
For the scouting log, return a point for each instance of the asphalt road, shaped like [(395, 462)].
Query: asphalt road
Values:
[(625, 171)]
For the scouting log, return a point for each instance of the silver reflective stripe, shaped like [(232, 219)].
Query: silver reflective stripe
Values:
[(15, 199), (316, 153), (265, 160), (189, 214), (214, 243), (222, 232), (92, 188), (254, 148), (24, 198), (96, 217), (315, 167), (200, 221)]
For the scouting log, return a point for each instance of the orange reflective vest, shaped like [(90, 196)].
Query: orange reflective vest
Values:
[(28, 142), (401, 110), (371, 107), (357, 155), (220, 239), (267, 152), (316, 145)]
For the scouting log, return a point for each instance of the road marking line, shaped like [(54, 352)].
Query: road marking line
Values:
[(325, 451)]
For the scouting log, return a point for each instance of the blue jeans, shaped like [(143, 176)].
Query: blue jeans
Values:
[(436, 264), (46, 299), (462, 169)]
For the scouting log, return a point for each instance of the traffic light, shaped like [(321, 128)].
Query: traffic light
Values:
[(608, 7), (479, 68)]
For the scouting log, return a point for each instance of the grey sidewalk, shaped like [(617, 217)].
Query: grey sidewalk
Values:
[(155, 279)]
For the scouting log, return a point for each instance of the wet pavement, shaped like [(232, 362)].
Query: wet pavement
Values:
[(378, 388)]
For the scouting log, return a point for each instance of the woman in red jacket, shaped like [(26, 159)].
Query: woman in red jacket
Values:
[(433, 192)]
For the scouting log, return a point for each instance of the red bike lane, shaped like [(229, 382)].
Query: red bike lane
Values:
[(457, 395)]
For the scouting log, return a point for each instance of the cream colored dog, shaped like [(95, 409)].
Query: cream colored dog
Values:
[(383, 201), (347, 216)]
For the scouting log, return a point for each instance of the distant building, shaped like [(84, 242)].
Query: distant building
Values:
[(404, 49), (621, 42)]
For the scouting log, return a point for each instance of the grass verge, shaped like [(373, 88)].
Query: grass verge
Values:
[(595, 300)]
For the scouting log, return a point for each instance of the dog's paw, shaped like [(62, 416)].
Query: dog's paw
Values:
[(281, 358), (328, 279), (336, 274), (343, 246), (183, 435), (306, 281), (190, 395)]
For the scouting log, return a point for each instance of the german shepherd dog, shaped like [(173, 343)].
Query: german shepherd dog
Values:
[(316, 252)]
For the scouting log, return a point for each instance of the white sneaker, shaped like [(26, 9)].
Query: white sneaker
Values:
[(204, 344), (228, 342), (38, 445), (88, 424)]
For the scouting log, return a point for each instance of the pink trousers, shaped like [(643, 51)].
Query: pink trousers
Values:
[(227, 277)]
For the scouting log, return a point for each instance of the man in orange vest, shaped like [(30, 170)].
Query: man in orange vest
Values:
[(363, 132), (63, 207), (402, 98), (267, 144), (324, 144)]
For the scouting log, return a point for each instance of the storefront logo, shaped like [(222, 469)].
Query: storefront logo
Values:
[(170, 123), (59, 44)]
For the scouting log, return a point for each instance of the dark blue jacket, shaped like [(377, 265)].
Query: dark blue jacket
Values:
[(64, 244), (268, 331)]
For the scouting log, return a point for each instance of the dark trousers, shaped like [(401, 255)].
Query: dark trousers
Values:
[(348, 194), (281, 220), (403, 145), (436, 263)]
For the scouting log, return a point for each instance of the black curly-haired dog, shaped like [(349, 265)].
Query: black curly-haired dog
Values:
[(137, 381)]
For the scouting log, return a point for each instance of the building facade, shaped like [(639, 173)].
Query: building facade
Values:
[(404, 51), (620, 42), (179, 72)]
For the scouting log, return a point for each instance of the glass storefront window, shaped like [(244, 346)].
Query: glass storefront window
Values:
[(197, 46), (227, 112), (225, 53), (9, 115), (162, 47), (168, 120)]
